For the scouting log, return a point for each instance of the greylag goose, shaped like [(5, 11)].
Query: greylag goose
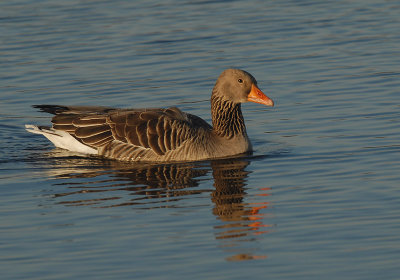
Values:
[(159, 135)]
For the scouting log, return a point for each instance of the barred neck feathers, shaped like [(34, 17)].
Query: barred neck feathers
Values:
[(227, 118)]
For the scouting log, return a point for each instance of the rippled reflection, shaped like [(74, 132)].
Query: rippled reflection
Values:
[(103, 184), (241, 221)]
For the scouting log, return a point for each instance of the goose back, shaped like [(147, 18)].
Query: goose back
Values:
[(134, 134)]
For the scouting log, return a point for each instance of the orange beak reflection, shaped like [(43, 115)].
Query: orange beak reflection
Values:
[(257, 96)]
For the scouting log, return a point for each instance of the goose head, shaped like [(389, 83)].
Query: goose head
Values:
[(238, 86)]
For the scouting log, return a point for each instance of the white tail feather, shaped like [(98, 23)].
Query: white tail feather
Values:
[(61, 139)]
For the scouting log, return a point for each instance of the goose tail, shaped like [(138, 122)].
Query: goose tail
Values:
[(61, 139)]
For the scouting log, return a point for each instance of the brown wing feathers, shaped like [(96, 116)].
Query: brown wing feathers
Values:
[(91, 130), (150, 129), (127, 134)]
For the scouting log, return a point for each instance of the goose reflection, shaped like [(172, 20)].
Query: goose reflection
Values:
[(103, 184), (240, 220)]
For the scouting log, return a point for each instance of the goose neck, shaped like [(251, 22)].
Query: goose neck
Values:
[(227, 118)]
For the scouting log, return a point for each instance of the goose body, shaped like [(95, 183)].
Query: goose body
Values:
[(159, 135)]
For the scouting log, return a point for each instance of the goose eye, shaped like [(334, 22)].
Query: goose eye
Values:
[(240, 81)]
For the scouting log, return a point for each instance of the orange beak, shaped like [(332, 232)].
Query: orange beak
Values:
[(257, 96)]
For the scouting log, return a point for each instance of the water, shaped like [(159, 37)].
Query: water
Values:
[(319, 199)]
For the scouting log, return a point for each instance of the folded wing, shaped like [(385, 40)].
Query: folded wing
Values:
[(128, 134)]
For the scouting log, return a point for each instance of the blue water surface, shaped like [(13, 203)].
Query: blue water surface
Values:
[(318, 199)]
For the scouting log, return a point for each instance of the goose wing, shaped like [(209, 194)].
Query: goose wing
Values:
[(128, 134)]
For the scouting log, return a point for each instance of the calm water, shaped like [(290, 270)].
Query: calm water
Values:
[(319, 199)]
